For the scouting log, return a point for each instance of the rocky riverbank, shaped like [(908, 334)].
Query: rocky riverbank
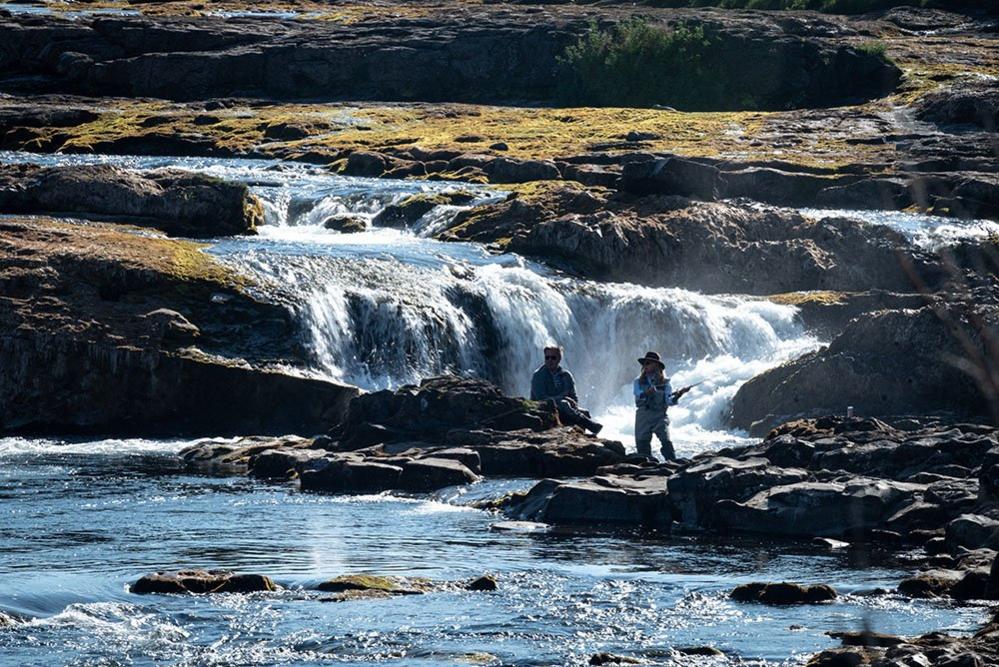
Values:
[(93, 339)]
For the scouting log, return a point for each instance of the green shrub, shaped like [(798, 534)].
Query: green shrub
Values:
[(873, 48), (637, 64)]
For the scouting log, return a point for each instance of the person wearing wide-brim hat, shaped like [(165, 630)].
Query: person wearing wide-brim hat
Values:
[(653, 396)]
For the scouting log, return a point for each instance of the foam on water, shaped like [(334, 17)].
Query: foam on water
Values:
[(927, 231)]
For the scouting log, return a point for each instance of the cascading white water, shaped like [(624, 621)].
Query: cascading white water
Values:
[(387, 307)]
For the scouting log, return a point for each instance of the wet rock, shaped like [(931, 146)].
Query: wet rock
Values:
[(343, 474), (178, 203), (854, 370), (346, 223), (366, 586), (843, 657), (976, 104), (714, 247), (974, 531), (696, 489), (438, 405), (202, 581), (611, 659), (431, 473), (931, 583), (243, 454), (282, 463), (407, 212), (599, 500), (866, 638), (707, 651), (556, 452), (486, 582), (783, 593), (171, 325), (818, 509)]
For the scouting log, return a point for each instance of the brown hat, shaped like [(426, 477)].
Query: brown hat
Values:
[(653, 357)]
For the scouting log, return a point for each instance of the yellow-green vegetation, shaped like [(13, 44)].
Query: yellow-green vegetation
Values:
[(125, 246), (373, 583), (825, 298)]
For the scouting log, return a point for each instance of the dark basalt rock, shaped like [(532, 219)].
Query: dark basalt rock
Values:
[(599, 500), (915, 377), (461, 53), (438, 405), (486, 582), (713, 247), (178, 203), (963, 105), (202, 581), (783, 593)]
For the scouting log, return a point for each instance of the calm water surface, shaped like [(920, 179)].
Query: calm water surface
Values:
[(79, 521)]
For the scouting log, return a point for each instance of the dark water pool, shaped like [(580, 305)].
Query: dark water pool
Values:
[(80, 521)]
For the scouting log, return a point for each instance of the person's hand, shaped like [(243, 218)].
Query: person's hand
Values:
[(651, 389)]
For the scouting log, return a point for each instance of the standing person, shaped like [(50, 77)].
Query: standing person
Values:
[(551, 382), (653, 395)]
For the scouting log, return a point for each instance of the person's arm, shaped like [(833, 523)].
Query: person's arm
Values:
[(568, 387), (668, 390), (538, 387)]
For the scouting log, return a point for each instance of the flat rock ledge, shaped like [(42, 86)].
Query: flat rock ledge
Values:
[(176, 202), (857, 483), (448, 431)]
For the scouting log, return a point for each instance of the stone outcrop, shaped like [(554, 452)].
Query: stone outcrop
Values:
[(859, 480), (886, 363), (608, 500), (111, 332), (783, 593), (202, 581), (449, 53), (176, 202), (713, 247), (449, 431), (428, 412)]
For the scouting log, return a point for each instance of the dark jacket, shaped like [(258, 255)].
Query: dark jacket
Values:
[(555, 386)]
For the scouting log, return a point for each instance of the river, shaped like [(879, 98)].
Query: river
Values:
[(380, 309)]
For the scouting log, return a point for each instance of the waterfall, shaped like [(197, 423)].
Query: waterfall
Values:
[(385, 307)]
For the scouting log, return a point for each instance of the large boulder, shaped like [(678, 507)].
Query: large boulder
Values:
[(555, 452), (617, 500), (202, 581), (696, 489), (886, 363), (783, 593), (818, 509), (176, 202), (438, 405)]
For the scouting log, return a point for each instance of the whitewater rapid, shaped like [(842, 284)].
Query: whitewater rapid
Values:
[(388, 307)]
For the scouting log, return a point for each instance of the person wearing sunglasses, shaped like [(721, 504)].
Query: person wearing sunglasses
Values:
[(653, 396), (551, 382)]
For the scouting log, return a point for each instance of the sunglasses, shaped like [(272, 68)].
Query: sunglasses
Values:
[(548, 356)]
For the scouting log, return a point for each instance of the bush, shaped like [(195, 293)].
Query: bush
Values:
[(637, 64), (873, 48)]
